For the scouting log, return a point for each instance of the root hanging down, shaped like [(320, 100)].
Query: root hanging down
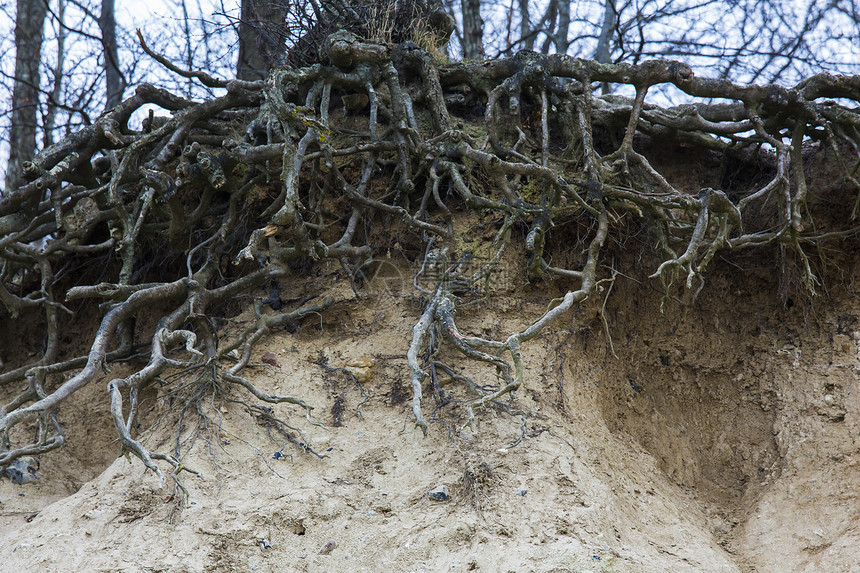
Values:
[(220, 198)]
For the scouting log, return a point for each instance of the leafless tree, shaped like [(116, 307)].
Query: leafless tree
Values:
[(473, 25), (29, 24), (114, 80), (261, 37), (610, 17), (746, 40), (55, 97)]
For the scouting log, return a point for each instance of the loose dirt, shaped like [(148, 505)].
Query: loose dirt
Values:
[(718, 436)]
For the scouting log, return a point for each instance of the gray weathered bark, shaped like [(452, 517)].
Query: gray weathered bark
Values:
[(473, 30), (114, 81), (610, 17), (57, 91), (603, 54), (527, 39), (260, 37), (25, 95), (561, 36)]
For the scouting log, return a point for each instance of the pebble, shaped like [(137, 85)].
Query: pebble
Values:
[(439, 494), (328, 547)]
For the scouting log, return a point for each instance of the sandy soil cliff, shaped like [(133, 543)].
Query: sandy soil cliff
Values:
[(719, 437)]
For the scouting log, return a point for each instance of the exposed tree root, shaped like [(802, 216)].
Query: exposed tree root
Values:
[(223, 196)]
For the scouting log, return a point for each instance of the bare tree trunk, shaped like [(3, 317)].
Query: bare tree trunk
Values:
[(261, 44), (25, 95), (603, 53), (527, 39), (473, 30), (561, 36), (610, 17), (547, 25), (189, 58), (114, 81), (57, 91), (543, 25)]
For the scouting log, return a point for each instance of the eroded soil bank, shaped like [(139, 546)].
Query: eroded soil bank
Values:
[(718, 436)]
